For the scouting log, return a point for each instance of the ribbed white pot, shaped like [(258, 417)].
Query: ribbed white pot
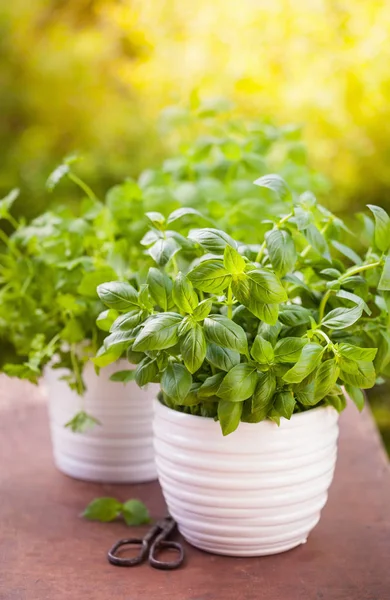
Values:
[(120, 450), (257, 491)]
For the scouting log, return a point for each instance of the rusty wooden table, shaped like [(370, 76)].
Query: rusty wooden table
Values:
[(48, 553)]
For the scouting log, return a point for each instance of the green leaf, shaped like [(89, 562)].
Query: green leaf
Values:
[(262, 351), (384, 282), (284, 404), (305, 396), (135, 513), (356, 395), (82, 422), (103, 509), (262, 399), (222, 358), (310, 358), (274, 183), (346, 251), (281, 250), (326, 377), (382, 227), (56, 176), (239, 383), (160, 287), (210, 385), (210, 276), (123, 376), (203, 309), (233, 261), (193, 348), (340, 318), (266, 287), (146, 372), (294, 314), (7, 202), (176, 382), (185, 216), (226, 333), (288, 350), (118, 339), (156, 218), (118, 295), (105, 357), (128, 321), (212, 240), (160, 332), (229, 414), (364, 377), (184, 294), (106, 319), (317, 241), (356, 353), (163, 250), (265, 312), (338, 402)]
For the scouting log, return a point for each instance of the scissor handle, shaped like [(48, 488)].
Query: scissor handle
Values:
[(164, 565), (122, 561)]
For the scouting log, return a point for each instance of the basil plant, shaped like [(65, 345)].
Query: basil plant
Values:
[(241, 332)]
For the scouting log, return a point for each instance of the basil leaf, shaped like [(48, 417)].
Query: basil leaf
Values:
[(193, 348), (184, 216), (384, 282), (81, 422), (284, 404), (202, 310), (356, 394), (382, 227), (262, 351), (265, 312), (222, 358), (183, 294), (262, 399), (281, 250), (310, 358), (226, 333), (265, 287), (239, 383), (270, 332), (340, 318), (160, 287), (348, 252), (106, 319), (159, 332), (305, 396), (233, 261), (123, 376), (103, 509), (156, 218), (210, 276), (293, 314), (288, 350), (118, 295), (355, 299), (135, 513), (338, 402), (211, 385), (128, 321), (317, 241), (146, 371), (364, 377), (274, 183), (229, 414), (163, 250), (118, 339), (326, 377), (105, 357), (176, 382), (212, 240), (356, 353)]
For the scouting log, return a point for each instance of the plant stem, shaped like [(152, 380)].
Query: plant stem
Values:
[(359, 269), (260, 253), (76, 371), (4, 238), (230, 302), (286, 218), (323, 334), (323, 302), (82, 185)]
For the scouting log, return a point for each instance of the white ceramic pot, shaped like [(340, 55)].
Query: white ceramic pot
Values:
[(120, 450), (257, 491)]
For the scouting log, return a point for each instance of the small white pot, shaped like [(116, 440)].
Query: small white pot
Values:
[(120, 450), (257, 491)]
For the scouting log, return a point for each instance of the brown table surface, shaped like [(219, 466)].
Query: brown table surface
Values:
[(48, 552)]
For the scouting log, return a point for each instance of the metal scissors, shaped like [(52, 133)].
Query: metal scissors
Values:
[(154, 542)]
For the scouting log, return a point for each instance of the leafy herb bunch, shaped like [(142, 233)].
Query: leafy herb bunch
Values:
[(237, 332)]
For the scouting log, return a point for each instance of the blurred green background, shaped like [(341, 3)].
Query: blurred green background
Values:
[(93, 76)]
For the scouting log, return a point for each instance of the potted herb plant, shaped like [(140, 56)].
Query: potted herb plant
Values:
[(258, 342)]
